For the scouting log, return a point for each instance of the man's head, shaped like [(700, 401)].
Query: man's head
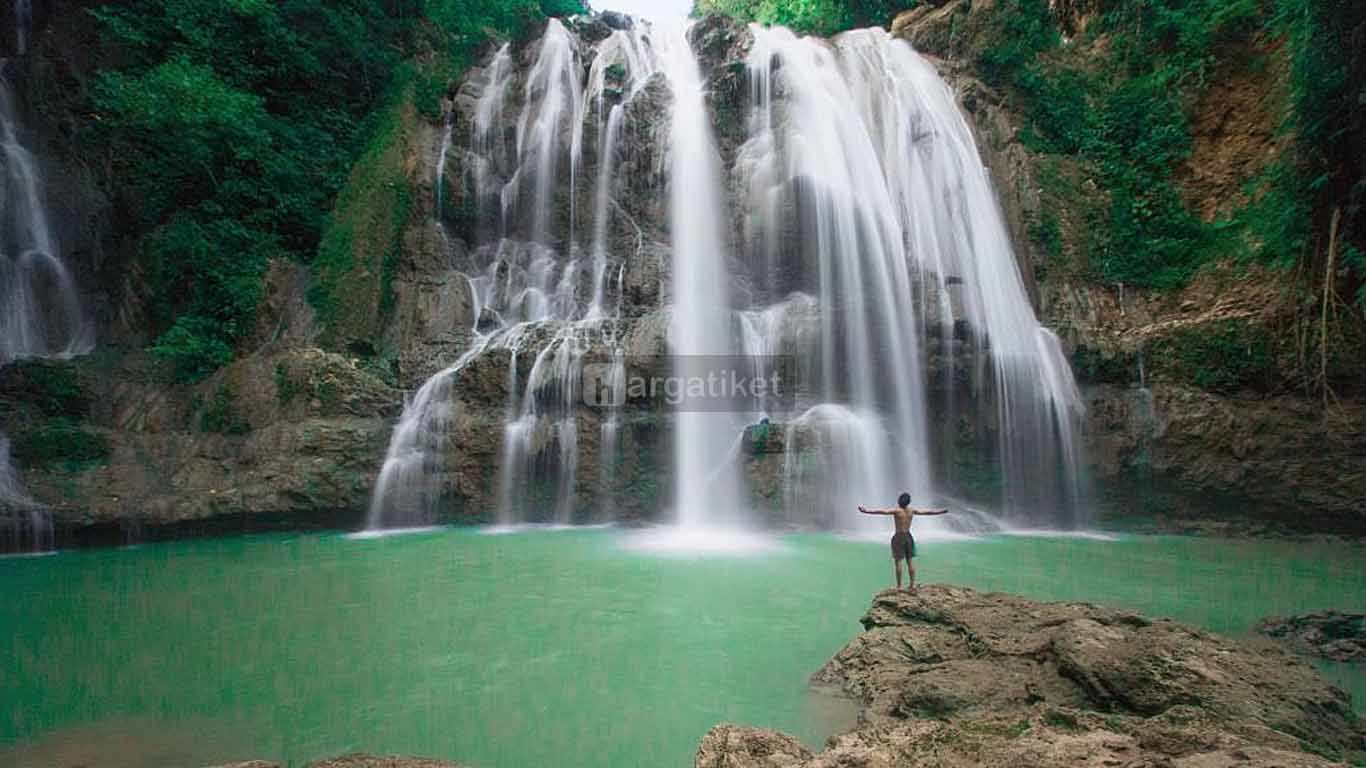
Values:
[(904, 500)]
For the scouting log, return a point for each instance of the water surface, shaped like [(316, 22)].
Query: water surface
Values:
[(525, 648)]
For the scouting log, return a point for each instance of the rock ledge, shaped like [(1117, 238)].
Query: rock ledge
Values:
[(949, 676)]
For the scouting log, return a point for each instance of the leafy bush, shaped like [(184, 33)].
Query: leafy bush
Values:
[(52, 386), (60, 441), (808, 17), (1220, 357), (194, 347), (286, 389), (1092, 365), (219, 416), (231, 126)]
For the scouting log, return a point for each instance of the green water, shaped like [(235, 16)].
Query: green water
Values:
[(535, 648)]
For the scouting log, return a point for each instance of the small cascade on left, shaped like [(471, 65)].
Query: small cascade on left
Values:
[(29, 526), (544, 290), (40, 307)]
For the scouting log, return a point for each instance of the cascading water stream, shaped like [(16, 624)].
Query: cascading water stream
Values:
[(23, 23), (865, 233), (867, 145), (40, 310), (529, 297), (706, 493), (30, 525), (813, 151)]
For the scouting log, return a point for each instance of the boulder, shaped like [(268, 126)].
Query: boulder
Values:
[(948, 676), (731, 746), (1332, 635)]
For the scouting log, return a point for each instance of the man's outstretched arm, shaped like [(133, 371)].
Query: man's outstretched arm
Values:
[(867, 511), (931, 511)]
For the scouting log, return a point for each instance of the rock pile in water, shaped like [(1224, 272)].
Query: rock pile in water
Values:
[(949, 676), (1330, 634), (356, 761)]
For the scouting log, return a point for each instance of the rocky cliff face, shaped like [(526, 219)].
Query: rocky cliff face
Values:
[(288, 435), (1172, 443), (947, 676), (295, 430)]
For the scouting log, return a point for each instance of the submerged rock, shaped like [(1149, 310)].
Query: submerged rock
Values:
[(1331, 634), (950, 676), (373, 761), (357, 760)]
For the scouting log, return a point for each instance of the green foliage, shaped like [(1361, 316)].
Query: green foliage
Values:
[(52, 386), (194, 347), (358, 256), (286, 389), (808, 17), (464, 24), (60, 441), (219, 416), (562, 7), (1093, 365), (1123, 115), (1220, 357), (1328, 76), (1046, 233), (230, 126)]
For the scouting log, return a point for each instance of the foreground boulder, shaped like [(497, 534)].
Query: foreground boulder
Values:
[(1330, 634), (949, 676)]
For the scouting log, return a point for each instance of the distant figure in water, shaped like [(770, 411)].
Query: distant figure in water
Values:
[(903, 543)]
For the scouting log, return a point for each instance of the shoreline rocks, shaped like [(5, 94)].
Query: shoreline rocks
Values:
[(1333, 635), (949, 676)]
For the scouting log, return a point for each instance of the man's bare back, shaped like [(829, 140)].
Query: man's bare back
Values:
[(903, 544)]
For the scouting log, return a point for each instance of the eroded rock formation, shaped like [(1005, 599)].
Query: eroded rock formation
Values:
[(948, 676)]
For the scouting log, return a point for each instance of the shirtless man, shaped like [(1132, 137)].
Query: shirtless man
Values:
[(903, 544)]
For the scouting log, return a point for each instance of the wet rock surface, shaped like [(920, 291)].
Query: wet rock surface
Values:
[(1332, 635), (949, 676)]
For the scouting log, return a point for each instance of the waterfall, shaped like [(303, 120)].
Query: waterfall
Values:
[(29, 526), (852, 228), (529, 300), (816, 150), (40, 310), (553, 93), (864, 144), (707, 487), (23, 23)]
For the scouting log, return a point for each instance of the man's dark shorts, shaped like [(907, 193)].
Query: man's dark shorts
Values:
[(903, 546)]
